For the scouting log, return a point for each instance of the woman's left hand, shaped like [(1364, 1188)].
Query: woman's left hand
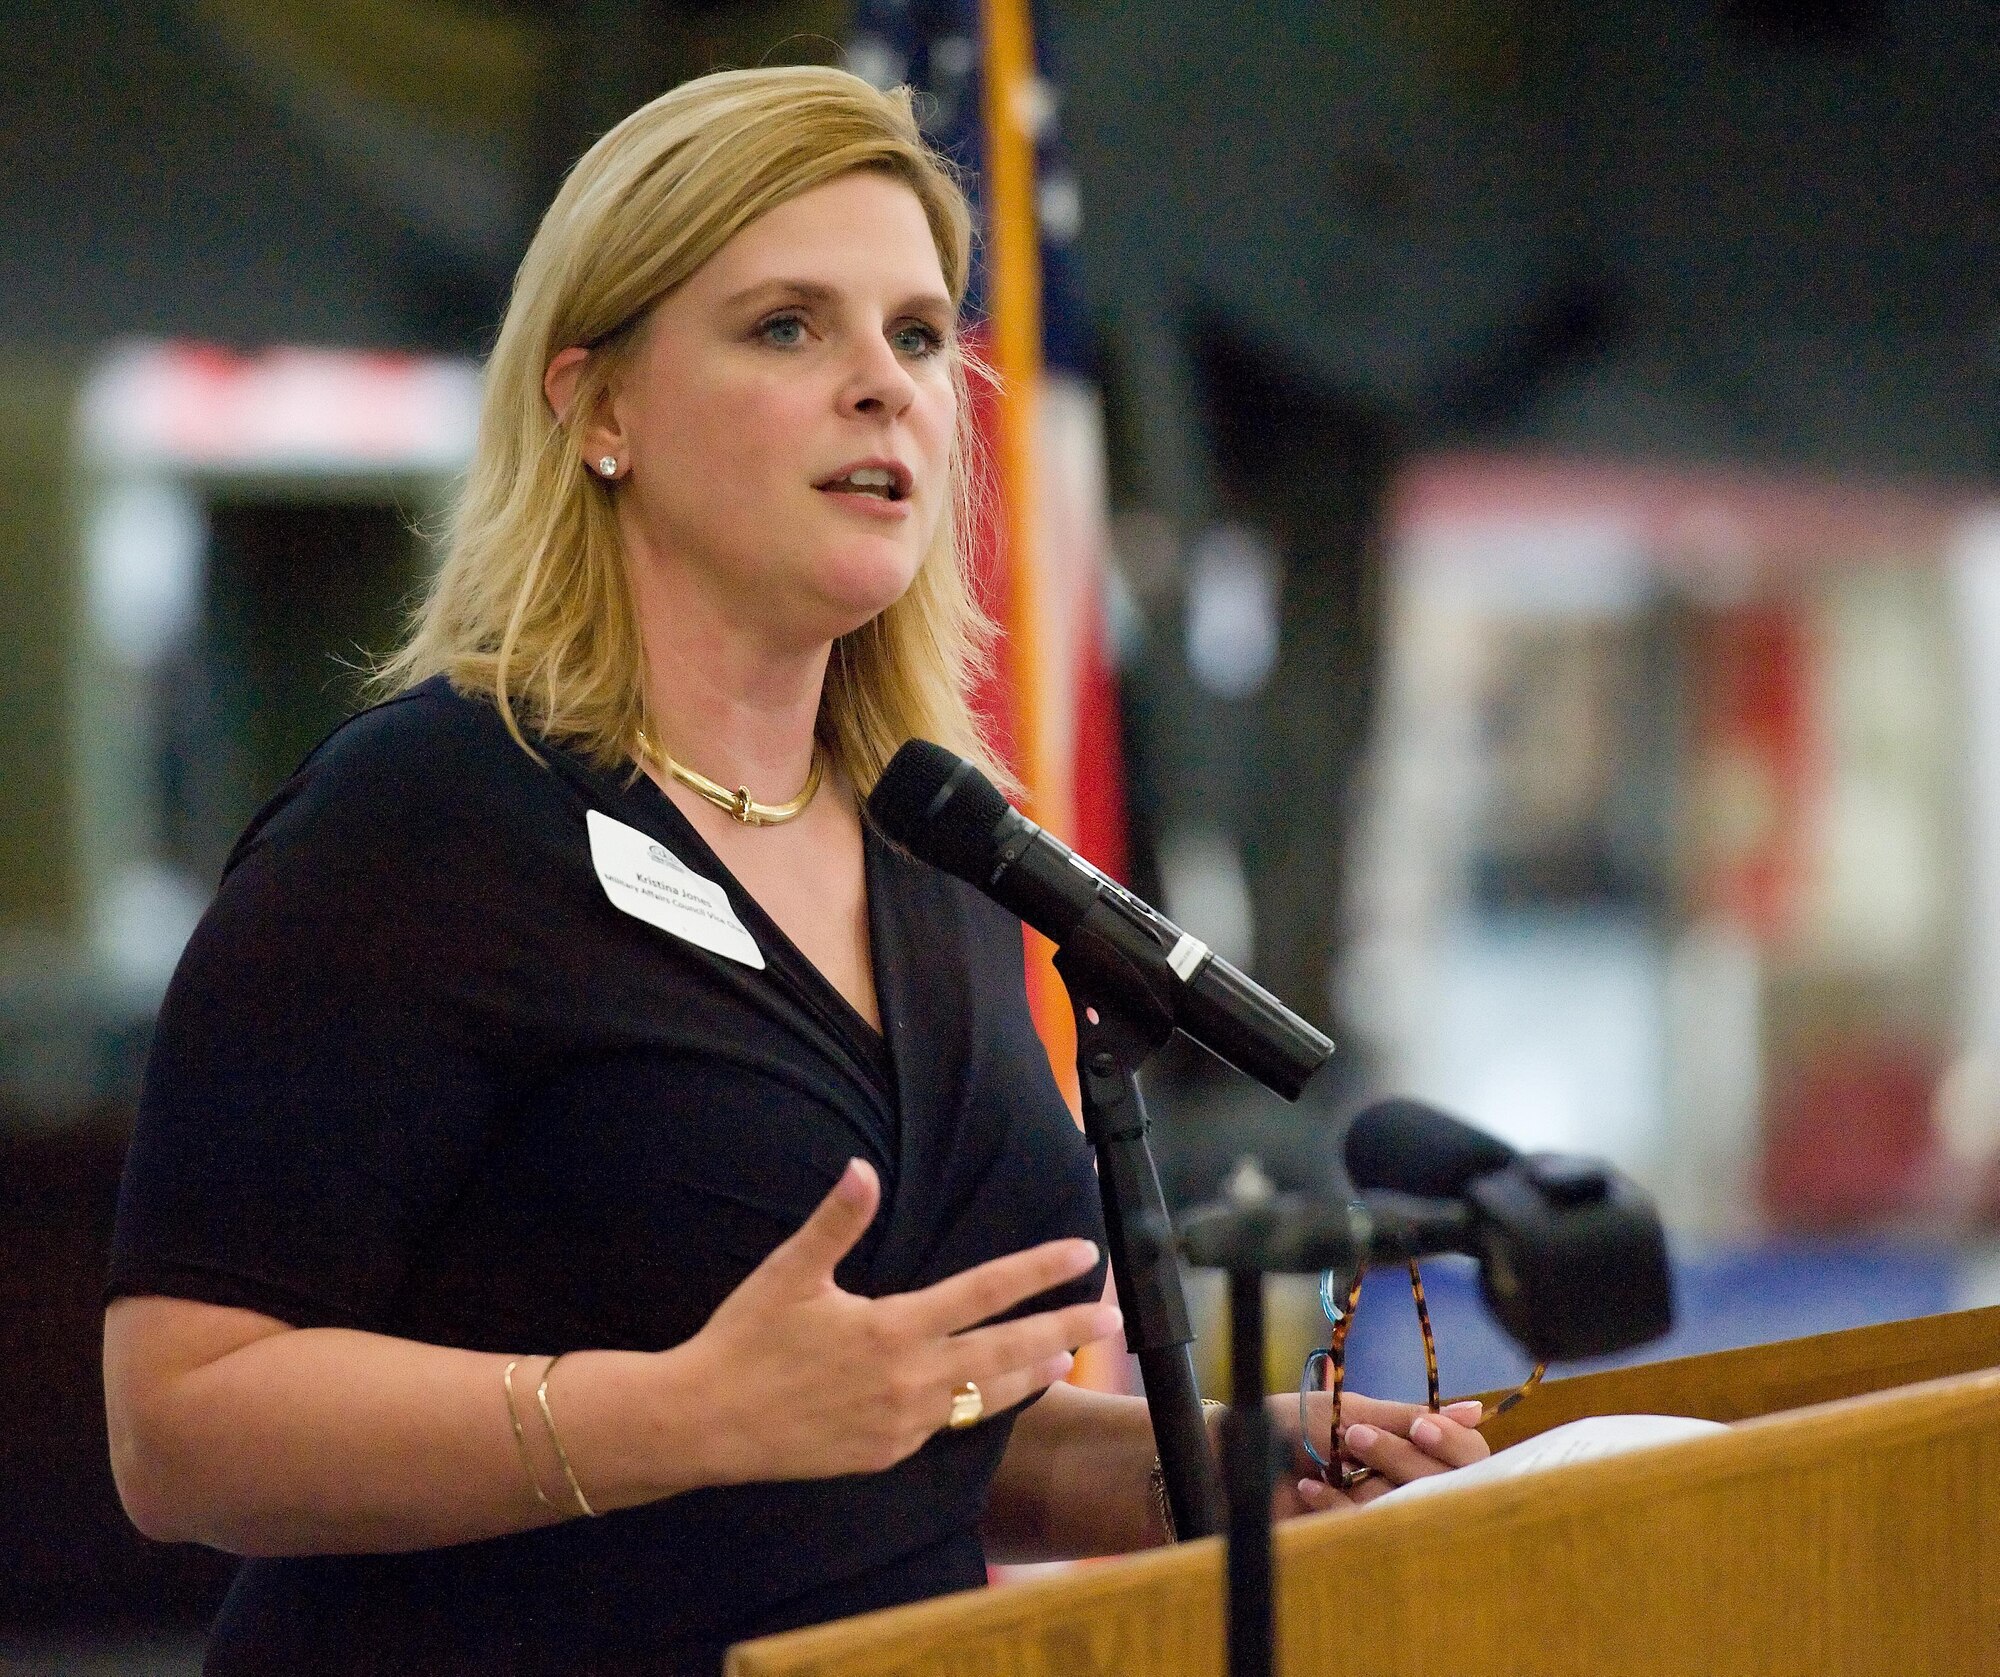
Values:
[(1398, 1441)]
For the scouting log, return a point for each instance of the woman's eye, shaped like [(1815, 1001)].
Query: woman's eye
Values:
[(785, 330), (917, 339)]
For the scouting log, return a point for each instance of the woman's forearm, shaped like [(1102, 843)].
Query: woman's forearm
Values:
[(234, 1429), (329, 1441), (1076, 1480)]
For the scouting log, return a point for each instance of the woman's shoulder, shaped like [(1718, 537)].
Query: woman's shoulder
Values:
[(420, 724), (428, 763)]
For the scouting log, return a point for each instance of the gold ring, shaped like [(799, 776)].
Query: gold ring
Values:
[(967, 1406)]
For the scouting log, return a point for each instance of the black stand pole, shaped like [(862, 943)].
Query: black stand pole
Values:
[(1247, 1450), (1146, 1270), (1117, 1031)]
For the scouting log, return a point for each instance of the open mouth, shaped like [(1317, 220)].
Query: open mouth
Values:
[(887, 483)]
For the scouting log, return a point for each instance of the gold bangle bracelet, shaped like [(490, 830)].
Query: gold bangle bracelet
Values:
[(521, 1438), (562, 1455)]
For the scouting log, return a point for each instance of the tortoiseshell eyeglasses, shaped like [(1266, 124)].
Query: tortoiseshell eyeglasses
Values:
[(1325, 1371)]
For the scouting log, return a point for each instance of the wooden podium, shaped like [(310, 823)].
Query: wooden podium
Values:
[(1850, 1525)]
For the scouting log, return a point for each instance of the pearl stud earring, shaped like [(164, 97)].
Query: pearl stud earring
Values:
[(608, 466)]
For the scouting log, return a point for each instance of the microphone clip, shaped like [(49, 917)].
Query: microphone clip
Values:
[(1122, 989)]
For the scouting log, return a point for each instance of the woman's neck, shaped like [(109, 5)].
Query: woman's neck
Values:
[(724, 699)]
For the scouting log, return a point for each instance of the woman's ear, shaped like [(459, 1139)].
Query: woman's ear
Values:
[(559, 382), (599, 437)]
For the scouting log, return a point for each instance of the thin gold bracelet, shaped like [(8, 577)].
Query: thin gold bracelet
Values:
[(562, 1455), (1157, 1483), (521, 1438)]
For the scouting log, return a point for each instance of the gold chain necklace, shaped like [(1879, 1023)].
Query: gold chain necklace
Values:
[(739, 803)]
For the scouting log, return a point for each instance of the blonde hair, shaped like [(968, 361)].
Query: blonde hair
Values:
[(531, 604)]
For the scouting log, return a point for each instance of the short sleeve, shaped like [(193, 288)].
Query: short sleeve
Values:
[(331, 1052)]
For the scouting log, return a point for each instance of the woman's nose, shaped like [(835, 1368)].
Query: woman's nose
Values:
[(880, 383)]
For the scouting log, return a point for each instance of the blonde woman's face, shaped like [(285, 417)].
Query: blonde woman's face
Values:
[(785, 423)]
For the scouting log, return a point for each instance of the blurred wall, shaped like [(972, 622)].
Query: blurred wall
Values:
[(1771, 232), (1324, 239), (1784, 232)]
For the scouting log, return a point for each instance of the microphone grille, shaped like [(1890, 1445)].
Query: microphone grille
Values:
[(940, 808)]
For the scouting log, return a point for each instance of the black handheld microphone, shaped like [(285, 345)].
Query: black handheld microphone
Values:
[(1410, 1148), (945, 812), (1572, 1258)]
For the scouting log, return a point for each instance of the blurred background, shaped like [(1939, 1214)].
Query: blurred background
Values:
[(1526, 479)]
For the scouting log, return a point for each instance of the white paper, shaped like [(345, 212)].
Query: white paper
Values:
[(648, 881), (1574, 1441)]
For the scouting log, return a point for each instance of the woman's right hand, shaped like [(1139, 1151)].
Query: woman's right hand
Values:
[(803, 1380)]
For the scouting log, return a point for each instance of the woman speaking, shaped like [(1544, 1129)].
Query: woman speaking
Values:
[(594, 1200)]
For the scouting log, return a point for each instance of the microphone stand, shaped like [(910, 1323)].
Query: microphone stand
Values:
[(1251, 1234), (1248, 1449), (1571, 1258), (1120, 1024)]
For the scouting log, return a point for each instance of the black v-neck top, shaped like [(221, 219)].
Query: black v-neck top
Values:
[(417, 1074)]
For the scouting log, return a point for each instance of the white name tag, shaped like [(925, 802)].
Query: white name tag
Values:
[(649, 882)]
